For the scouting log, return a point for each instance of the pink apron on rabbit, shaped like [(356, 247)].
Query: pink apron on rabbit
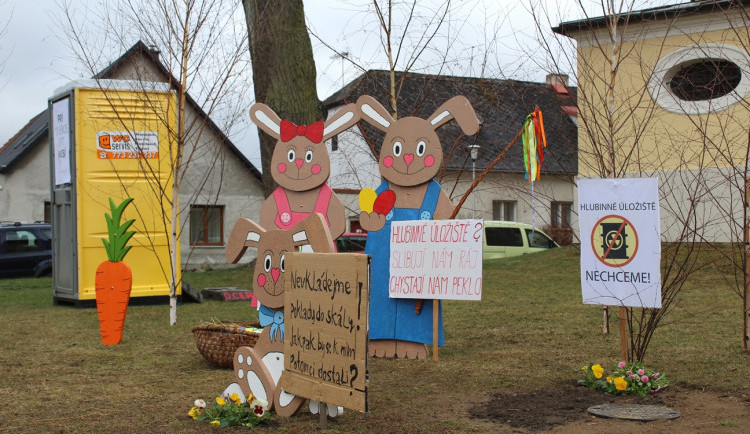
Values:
[(286, 218)]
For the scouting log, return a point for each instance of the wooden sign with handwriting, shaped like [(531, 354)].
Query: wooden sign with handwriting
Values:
[(325, 347)]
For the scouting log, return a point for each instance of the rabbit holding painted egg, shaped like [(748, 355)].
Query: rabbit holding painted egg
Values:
[(410, 158)]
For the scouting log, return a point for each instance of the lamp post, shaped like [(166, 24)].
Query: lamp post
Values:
[(474, 150)]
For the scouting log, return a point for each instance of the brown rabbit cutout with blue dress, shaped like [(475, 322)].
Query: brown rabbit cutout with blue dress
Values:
[(410, 158)]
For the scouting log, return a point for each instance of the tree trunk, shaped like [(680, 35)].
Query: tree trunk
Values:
[(283, 68)]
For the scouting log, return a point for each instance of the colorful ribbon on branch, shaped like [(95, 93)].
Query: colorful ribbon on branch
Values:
[(534, 141)]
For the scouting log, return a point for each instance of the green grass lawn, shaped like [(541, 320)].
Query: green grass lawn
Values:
[(529, 332)]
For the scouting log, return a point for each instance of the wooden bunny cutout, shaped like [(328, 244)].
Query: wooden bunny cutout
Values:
[(410, 157), (258, 369), (301, 166)]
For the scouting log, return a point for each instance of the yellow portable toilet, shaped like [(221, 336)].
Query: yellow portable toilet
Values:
[(112, 139)]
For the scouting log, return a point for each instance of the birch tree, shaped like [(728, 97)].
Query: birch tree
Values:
[(204, 50)]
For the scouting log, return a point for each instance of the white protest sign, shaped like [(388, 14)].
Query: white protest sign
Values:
[(436, 259), (61, 139), (620, 242)]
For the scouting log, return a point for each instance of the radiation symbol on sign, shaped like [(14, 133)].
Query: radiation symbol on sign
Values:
[(614, 241)]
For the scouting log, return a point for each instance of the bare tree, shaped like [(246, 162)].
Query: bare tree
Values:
[(284, 74), (627, 129), (204, 51)]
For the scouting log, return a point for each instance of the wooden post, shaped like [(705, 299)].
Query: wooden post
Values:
[(323, 409), (605, 320), (746, 272), (435, 318), (624, 333)]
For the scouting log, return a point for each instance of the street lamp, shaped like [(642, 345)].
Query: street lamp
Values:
[(474, 150)]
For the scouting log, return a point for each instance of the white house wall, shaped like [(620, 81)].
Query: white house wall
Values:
[(215, 176), (26, 187), (530, 208)]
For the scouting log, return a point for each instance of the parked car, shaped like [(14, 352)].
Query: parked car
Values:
[(505, 239), (351, 242), (25, 249)]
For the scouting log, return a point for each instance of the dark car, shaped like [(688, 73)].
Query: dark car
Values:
[(353, 242), (25, 249)]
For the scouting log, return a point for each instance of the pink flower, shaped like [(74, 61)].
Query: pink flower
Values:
[(622, 364), (640, 372), (644, 379), (655, 375), (629, 373)]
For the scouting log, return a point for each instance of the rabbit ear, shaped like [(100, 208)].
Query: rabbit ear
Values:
[(246, 233), (458, 108), (374, 113), (314, 231), (341, 120), (266, 119)]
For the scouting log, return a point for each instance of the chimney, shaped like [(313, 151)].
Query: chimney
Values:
[(559, 84), (553, 79)]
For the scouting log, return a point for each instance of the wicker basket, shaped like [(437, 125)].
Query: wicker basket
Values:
[(218, 342)]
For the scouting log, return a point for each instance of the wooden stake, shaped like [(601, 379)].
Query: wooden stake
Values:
[(435, 312), (605, 320), (323, 409), (746, 272), (624, 333)]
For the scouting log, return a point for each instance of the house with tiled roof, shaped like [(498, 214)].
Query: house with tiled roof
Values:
[(502, 107), (209, 205)]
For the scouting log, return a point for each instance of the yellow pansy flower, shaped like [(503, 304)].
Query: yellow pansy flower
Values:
[(215, 423), (597, 370), (621, 383), (220, 401), (194, 412), (236, 398), (609, 379)]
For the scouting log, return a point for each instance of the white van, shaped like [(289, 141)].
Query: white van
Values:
[(505, 239)]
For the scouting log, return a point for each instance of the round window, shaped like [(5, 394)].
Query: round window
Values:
[(701, 79), (705, 79)]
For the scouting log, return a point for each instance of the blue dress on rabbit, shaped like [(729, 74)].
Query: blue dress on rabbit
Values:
[(395, 318)]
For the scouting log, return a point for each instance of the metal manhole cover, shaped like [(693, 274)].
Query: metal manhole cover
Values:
[(634, 412)]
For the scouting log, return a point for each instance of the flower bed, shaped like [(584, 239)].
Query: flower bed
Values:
[(625, 379)]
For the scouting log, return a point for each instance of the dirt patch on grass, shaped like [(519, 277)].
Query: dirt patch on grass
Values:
[(563, 409)]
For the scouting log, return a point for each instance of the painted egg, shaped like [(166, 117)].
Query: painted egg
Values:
[(366, 199), (384, 202)]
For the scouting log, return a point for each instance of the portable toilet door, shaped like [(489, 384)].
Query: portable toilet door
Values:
[(112, 139)]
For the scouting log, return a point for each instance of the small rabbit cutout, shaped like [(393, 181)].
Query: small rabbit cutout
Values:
[(258, 369)]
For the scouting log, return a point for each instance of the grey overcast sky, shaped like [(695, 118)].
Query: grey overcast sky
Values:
[(34, 59)]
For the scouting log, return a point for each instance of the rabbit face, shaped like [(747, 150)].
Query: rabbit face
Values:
[(300, 164), (268, 285), (273, 246), (300, 160), (411, 155)]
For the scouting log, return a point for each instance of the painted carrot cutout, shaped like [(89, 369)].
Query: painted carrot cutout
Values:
[(113, 277)]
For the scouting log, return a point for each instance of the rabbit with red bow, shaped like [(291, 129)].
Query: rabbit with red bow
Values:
[(301, 166), (410, 158)]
